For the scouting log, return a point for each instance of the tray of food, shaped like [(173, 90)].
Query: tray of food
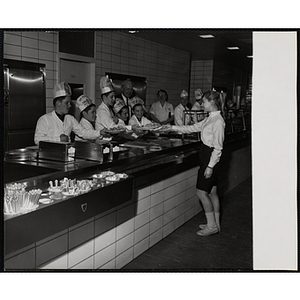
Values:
[(103, 174), (150, 127), (115, 130), (116, 177)]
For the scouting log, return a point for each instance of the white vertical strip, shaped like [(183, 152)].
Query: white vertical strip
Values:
[(274, 145)]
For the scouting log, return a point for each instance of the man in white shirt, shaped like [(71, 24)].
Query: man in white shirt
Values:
[(128, 94), (179, 116), (57, 125)]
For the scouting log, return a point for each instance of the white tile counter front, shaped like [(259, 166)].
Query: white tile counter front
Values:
[(156, 211)]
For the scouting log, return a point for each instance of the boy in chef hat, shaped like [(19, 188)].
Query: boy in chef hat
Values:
[(87, 109), (105, 85), (60, 91), (122, 111), (87, 114), (138, 119), (105, 116)]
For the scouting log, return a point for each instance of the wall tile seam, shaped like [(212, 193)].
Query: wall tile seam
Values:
[(105, 248), (143, 224), (121, 253), (143, 240), (57, 235), (106, 264), (39, 266), (113, 210), (19, 252), (126, 235), (136, 233), (74, 266)]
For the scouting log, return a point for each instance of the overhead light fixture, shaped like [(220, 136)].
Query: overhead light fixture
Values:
[(133, 31), (206, 36), (233, 48)]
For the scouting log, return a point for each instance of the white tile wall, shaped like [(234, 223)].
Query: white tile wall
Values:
[(117, 52), (201, 75), (111, 265), (102, 257), (155, 237), (58, 263), (105, 239), (125, 228), (35, 46), (87, 264), (158, 197), (141, 233), (141, 219), (124, 243), (80, 253), (141, 247), (156, 211), (124, 258)]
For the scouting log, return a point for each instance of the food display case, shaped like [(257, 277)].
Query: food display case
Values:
[(88, 191)]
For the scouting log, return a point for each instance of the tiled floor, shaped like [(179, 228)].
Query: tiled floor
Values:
[(229, 250)]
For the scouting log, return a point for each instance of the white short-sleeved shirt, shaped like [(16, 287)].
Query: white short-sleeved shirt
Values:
[(162, 112)]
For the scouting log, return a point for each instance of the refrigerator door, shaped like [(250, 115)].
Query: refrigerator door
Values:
[(24, 101)]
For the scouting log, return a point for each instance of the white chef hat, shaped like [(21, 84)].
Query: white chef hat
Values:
[(83, 102), (119, 105), (198, 94), (184, 94), (134, 101), (105, 85), (61, 89)]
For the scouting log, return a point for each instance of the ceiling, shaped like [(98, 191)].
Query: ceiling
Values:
[(205, 49)]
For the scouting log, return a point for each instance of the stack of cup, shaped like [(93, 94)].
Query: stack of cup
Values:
[(17, 199)]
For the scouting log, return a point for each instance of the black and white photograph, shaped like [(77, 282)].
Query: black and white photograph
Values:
[(149, 150)]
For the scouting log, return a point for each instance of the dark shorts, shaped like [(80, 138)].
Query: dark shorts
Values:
[(203, 183)]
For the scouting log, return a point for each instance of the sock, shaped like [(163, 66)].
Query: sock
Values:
[(210, 217), (217, 219)]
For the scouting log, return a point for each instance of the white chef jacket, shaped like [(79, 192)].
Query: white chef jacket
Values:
[(162, 112), (86, 125), (134, 121), (104, 117), (212, 134), (49, 128), (179, 115)]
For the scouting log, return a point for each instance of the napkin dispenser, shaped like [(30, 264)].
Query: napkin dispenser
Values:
[(54, 150), (90, 150)]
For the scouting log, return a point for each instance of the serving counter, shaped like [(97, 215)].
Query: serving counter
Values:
[(112, 223)]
